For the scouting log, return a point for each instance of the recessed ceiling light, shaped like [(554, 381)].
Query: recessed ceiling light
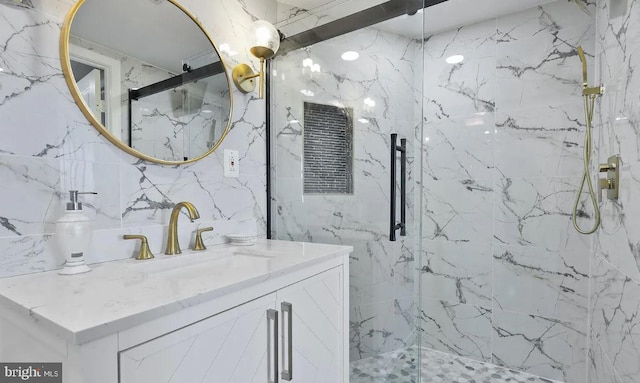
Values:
[(350, 56), (363, 120), (294, 121), (369, 102), (307, 63), (455, 59), (315, 68), (207, 111), (307, 93), (487, 132), (1, 70)]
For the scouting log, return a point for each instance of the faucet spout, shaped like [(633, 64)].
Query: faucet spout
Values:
[(173, 247)]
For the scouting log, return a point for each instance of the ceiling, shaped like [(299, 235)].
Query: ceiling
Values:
[(155, 32), (445, 16)]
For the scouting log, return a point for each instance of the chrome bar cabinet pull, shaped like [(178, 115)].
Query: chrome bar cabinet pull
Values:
[(287, 308), (272, 346)]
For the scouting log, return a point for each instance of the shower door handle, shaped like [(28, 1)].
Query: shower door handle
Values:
[(393, 224)]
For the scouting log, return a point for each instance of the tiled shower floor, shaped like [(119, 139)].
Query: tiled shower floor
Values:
[(400, 367)]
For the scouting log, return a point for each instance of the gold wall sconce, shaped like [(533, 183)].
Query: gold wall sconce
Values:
[(266, 40)]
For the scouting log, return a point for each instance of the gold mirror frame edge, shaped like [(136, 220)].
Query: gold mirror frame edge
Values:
[(65, 60)]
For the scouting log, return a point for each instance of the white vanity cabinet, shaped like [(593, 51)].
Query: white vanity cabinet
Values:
[(275, 312), (229, 347), (312, 331), (237, 346)]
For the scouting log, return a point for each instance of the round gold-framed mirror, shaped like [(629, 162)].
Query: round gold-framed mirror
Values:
[(148, 76)]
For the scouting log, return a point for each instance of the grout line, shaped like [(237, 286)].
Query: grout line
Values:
[(612, 266), (589, 318), (494, 188), (606, 357)]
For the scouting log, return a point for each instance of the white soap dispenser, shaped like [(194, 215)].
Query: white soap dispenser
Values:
[(73, 233)]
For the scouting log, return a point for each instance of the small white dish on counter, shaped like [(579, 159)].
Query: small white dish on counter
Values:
[(240, 240)]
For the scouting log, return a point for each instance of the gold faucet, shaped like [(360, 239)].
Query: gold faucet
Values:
[(173, 247)]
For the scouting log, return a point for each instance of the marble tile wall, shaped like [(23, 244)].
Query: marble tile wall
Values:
[(48, 147), (615, 279), (305, 15), (504, 276), (379, 86)]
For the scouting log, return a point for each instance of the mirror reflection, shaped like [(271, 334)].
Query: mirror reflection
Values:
[(150, 76)]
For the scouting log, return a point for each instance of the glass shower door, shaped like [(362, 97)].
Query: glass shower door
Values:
[(335, 106)]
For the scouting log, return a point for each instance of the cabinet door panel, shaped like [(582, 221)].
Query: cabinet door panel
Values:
[(317, 328), (228, 348)]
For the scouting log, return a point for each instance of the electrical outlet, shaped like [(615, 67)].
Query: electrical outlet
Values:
[(231, 165)]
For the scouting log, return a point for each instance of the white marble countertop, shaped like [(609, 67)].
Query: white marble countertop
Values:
[(121, 294)]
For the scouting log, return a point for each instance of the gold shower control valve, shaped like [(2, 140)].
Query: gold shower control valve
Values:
[(612, 183)]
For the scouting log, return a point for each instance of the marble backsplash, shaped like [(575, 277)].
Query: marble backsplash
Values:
[(48, 148)]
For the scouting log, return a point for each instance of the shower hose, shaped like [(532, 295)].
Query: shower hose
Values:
[(589, 106)]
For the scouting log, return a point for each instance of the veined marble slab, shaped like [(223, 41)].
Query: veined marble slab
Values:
[(118, 295)]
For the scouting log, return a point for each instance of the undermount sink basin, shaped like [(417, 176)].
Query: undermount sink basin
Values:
[(216, 260)]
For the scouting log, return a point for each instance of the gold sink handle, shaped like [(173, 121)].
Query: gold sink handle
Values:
[(145, 252), (199, 245)]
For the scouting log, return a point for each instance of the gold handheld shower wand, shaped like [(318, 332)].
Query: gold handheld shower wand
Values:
[(590, 95), (586, 91), (583, 59)]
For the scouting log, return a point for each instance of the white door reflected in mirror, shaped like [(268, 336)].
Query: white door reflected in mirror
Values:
[(107, 86), (91, 90)]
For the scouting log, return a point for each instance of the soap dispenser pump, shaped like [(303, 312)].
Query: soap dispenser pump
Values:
[(73, 232)]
